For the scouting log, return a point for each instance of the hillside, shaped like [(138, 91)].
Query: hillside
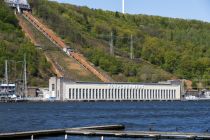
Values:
[(178, 46), (13, 46), (87, 31), (67, 66)]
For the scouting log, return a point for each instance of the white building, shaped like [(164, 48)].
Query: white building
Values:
[(18, 4), (66, 90), (7, 90)]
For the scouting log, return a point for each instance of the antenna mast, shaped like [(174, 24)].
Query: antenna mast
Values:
[(25, 78), (123, 6), (6, 72)]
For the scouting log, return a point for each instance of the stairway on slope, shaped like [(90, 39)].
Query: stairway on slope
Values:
[(60, 44), (62, 65)]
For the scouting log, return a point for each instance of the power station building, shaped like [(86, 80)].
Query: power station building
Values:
[(66, 90)]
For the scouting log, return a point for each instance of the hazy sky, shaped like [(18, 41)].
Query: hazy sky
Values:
[(188, 9)]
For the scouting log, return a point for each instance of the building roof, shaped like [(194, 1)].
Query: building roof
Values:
[(7, 85), (119, 83), (115, 83)]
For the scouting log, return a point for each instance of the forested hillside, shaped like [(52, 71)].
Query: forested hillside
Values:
[(13, 46), (180, 47)]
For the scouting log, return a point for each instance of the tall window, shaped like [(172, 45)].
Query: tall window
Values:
[(102, 94), (79, 95), (106, 94), (123, 95), (58, 94), (69, 93), (120, 93), (115, 94), (174, 94), (53, 87), (76, 93)]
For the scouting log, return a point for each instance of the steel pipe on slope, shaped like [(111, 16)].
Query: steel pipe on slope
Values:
[(58, 42)]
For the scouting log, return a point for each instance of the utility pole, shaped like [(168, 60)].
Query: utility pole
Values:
[(131, 48), (6, 72), (111, 44), (18, 6), (25, 77)]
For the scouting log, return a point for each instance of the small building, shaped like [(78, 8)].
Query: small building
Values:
[(33, 92), (18, 4), (66, 90), (7, 91)]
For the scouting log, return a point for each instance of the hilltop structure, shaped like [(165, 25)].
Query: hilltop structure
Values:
[(18, 4)]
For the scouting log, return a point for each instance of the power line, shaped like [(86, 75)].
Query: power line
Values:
[(115, 37)]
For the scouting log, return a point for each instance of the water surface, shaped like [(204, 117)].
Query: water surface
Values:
[(159, 116)]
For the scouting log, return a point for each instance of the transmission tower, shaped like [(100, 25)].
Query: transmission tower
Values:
[(131, 48), (6, 72), (111, 44), (25, 77)]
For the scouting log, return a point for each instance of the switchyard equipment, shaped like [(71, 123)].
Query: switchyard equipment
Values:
[(59, 43)]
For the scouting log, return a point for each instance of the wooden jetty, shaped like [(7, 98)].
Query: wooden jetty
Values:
[(56, 132), (106, 131), (102, 127), (140, 134), (28, 134)]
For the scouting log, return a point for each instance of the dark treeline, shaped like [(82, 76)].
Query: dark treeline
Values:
[(180, 47), (13, 46)]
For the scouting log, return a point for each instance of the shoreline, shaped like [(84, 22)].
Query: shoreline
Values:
[(86, 101)]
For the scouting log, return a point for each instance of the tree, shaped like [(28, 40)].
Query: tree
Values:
[(171, 61), (117, 15), (153, 51)]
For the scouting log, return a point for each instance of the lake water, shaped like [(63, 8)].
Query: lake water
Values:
[(160, 116)]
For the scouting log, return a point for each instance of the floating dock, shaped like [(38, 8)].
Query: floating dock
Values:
[(140, 134), (56, 132), (105, 131)]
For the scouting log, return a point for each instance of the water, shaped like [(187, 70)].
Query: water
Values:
[(160, 116)]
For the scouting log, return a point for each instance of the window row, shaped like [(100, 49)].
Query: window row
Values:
[(121, 94)]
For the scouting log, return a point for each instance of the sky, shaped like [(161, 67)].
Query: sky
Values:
[(187, 9)]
